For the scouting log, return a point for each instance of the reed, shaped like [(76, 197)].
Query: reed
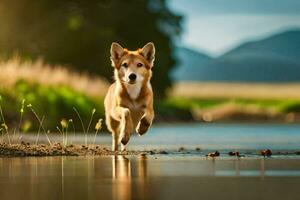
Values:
[(74, 130), (85, 131), (97, 128), (63, 130), (40, 123), (3, 123)]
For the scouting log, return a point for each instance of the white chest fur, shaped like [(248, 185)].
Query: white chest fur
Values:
[(134, 90)]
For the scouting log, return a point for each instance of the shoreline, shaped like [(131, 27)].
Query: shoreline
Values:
[(43, 150)]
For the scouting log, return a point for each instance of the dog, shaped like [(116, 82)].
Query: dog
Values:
[(129, 100)]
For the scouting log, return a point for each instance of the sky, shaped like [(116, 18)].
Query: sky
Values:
[(216, 26)]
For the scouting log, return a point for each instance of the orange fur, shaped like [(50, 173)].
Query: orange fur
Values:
[(129, 102)]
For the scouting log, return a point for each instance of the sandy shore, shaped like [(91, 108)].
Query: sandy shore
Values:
[(26, 150)]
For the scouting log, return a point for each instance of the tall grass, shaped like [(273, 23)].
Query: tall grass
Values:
[(63, 130), (97, 128), (40, 121), (39, 72), (3, 123), (85, 130), (48, 87)]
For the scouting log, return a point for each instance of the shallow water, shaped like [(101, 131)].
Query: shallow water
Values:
[(177, 175), (205, 136), (151, 177)]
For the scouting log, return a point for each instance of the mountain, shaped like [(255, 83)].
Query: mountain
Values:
[(286, 44), (188, 61), (274, 59)]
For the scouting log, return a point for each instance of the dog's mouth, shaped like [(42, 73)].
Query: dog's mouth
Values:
[(131, 82)]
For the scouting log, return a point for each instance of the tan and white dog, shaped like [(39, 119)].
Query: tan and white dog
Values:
[(129, 100)]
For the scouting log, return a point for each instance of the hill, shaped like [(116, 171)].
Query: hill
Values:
[(273, 59)]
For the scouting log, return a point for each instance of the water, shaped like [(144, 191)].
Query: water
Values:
[(172, 176), (223, 136), (148, 177), (207, 137)]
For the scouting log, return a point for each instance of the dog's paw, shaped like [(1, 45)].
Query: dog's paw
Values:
[(123, 148), (143, 126), (125, 139)]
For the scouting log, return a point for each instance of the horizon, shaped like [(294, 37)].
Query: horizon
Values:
[(238, 22)]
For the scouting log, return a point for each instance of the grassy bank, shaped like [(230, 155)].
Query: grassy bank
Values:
[(54, 91), (230, 109)]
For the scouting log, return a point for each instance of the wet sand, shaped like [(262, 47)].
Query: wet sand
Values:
[(39, 150), (149, 177)]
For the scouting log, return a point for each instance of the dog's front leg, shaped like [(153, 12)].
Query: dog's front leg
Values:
[(115, 138), (126, 126), (145, 122)]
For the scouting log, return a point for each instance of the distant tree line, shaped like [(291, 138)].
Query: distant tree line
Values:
[(78, 33)]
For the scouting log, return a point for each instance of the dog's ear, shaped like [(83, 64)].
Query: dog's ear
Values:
[(116, 52), (148, 51)]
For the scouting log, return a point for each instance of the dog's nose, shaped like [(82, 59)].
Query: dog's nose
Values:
[(132, 77)]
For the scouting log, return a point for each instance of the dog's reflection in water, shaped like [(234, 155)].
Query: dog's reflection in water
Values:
[(123, 174)]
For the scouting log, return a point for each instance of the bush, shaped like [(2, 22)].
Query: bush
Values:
[(53, 102), (290, 106)]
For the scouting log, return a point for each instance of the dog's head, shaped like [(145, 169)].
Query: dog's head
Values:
[(132, 67)]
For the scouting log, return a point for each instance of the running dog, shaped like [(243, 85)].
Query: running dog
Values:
[(129, 100)]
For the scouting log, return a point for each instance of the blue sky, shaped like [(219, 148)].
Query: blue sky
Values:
[(216, 26)]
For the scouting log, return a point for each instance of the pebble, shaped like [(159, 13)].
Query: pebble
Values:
[(181, 149), (213, 154), (266, 152), (163, 152), (234, 153)]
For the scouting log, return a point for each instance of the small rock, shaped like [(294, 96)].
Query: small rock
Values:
[(213, 154), (266, 152), (181, 149), (198, 149), (163, 152), (234, 153), (152, 152)]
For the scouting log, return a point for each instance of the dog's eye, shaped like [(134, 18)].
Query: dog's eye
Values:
[(140, 64), (124, 65)]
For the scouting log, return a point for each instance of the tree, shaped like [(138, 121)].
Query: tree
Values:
[(78, 33)]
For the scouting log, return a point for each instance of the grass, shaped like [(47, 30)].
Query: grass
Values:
[(55, 102), (54, 91), (225, 108), (97, 128), (38, 72), (192, 103), (64, 125), (59, 93)]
